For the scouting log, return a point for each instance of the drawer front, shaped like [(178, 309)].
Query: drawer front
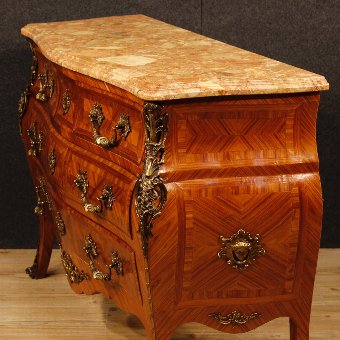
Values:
[(97, 260), (100, 191), (239, 238), (102, 122)]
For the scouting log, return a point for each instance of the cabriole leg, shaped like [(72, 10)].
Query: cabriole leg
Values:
[(42, 258)]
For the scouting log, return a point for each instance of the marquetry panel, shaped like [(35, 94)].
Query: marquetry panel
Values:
[(253, 131), (99, 175), (224, 207)]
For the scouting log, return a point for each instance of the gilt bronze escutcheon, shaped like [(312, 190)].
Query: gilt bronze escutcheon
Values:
[(241, 249), (46, 87)]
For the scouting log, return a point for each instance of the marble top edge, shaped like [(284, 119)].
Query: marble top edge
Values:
[(157, 61)]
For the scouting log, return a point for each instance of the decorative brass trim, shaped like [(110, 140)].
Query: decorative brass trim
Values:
[(66, 102), (42, 197), (151, 192), (241, 249), (36, 139), (46, 87), (32, 271), (60, 224), (107, 198), (73, 274), (52, 160), (96, 117), (23, 101), (91, 252), (234, 318)]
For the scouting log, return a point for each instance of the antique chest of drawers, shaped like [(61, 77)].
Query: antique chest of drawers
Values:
[(179, 174)]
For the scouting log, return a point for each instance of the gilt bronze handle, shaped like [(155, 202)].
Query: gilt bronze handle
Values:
[(42, 197), (106, 198), (241, 249), (96, 117), (91, 252)]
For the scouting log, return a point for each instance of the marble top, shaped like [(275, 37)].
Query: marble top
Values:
[(157, 61)]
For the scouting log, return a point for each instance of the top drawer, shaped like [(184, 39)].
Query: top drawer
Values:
[(103, 120)]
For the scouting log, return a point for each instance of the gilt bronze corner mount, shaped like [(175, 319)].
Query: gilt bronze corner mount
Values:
[(151, 193)]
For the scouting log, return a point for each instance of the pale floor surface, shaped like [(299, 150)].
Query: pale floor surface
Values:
[(49, 309)]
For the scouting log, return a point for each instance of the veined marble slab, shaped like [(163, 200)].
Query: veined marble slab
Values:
[(157, 61)]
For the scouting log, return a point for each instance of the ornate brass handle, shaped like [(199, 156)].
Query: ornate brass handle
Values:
[(96, 117), (105, 199), (36, 139), (91, 252), (46, 86), (234, 318), (241, 249), (42, 197)]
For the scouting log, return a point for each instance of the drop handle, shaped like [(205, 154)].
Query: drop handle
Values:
[(91, 251), (96, 117), (106, 199)]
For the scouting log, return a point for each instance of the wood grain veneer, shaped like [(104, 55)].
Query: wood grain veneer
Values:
[(230, 163)]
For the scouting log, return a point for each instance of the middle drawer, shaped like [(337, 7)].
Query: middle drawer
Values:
[(100, 191)]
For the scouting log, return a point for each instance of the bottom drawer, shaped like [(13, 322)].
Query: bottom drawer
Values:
[(96, 260)]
